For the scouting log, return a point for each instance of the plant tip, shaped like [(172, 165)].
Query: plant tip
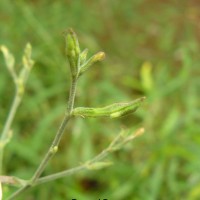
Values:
[(139, 132)]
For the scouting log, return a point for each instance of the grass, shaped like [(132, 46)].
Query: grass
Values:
[(162, 163)]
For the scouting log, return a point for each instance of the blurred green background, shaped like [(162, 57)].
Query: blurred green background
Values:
[(152, 49)]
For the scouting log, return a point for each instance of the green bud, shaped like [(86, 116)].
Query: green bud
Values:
[(72, 50), (10, 60), (112, 111), (72, 62), (27, 65), (54, 149), (99, 56), (75, 41), (26, 59), (96, 58), (83, 56), (28, 50)]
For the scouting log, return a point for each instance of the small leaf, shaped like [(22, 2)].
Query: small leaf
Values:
[(113, 110)]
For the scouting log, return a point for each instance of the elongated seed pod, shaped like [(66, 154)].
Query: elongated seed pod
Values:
[(113, 110)]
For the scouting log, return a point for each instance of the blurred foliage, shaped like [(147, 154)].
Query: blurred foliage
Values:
[(152, 50)]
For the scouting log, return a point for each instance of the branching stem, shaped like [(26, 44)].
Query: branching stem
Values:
[(5, 134), (54, 146)]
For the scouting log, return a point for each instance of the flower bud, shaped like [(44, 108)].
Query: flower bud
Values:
[(9, 58), (97, 57), (72, 50), (75, 41), (83, 56), (26, 59)]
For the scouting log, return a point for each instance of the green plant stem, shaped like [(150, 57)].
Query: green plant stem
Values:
[(58, 175), (64, 173), (5, 134), (53, 148), (51, 152), (52, 177), (74, 170), (18, 192), (59, 134), (117, 143), (72, 95)]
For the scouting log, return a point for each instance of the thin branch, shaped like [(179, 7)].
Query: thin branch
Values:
[(54, 146), (58, 175), (119, 142), (20, 84), (93, 161), (12, 180), (5, 136), (72, 95)]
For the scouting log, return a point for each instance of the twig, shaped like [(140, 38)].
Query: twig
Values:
[(85, 166), (54, 146), (5, 134), (78, 66), (19, 84)]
